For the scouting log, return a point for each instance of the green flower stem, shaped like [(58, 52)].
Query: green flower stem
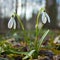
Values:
[(37, 32), (20, 22), (25, 37)]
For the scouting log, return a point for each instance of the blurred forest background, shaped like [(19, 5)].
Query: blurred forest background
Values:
[(27, 10)]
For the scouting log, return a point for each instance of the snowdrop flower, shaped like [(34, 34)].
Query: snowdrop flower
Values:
[(12, 23), (45, 17)]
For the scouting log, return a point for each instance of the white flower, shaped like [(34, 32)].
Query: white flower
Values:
[(12, 23), (45, 17)]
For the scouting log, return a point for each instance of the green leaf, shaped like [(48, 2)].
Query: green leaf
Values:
[(42, 38), (16, 52), (1, 49), (29, 54)]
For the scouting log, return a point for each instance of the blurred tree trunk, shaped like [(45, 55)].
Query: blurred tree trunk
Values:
[(16, 6), (52, 11)]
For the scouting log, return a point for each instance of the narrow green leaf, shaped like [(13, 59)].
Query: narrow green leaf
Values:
[(29, 54), (42, 38), (15, 52)]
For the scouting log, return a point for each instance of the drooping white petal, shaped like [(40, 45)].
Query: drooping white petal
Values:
[(48, 18), (44, 19), (14, 24), (10, 23)]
